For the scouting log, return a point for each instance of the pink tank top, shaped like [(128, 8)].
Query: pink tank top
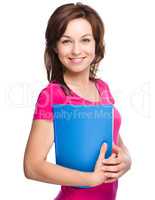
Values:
[(53, 93)]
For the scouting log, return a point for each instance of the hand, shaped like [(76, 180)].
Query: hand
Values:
[(98, 176), (117, 164)]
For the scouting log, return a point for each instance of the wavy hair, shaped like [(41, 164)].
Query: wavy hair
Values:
[(57, 25)]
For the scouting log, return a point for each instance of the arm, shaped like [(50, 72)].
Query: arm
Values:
[(37, 168), (121, 144), (127, 156)]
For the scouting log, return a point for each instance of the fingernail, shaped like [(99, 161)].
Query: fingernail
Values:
[(105, 144)]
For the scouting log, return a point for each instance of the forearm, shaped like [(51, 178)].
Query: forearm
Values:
[(125, 149), (56, 174), (122, 145)]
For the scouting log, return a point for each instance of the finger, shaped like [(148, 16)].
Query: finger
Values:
[(103, 151), (113, 155), (112, 168), (110, 180), (111, 175), (112, 161), (114, 175)]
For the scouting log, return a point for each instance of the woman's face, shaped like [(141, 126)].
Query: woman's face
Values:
[(76, 47)]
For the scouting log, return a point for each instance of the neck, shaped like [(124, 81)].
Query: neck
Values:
[(77, 79)]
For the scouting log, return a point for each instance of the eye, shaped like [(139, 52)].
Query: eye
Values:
[(86, 40), (65, 41)]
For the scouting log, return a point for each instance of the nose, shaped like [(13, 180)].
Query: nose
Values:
[(76, 50)]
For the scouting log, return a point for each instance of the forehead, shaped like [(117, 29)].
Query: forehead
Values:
[(78, 27)]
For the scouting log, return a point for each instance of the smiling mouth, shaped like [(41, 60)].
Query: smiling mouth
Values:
[(77, 60)]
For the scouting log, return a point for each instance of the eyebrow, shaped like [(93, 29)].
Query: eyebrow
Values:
[(81, 36)]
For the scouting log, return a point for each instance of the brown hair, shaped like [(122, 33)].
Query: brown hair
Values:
[(57, 24)]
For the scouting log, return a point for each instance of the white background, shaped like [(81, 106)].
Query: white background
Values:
[(127, 67)]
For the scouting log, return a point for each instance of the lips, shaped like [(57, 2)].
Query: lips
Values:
[(77, 60)]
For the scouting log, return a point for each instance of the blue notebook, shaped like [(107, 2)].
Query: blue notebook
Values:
[(79, 132)]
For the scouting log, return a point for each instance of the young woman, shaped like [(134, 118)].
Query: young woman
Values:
[(74, 48)]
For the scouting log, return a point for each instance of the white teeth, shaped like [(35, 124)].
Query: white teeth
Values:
[(76, 60)]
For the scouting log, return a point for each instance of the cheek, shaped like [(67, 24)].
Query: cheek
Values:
[(63, 52), (91, 49)]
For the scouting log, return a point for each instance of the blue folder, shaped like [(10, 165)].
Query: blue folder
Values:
[(79, 132)]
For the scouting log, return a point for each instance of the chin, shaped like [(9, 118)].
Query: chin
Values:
[(77, 69)]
